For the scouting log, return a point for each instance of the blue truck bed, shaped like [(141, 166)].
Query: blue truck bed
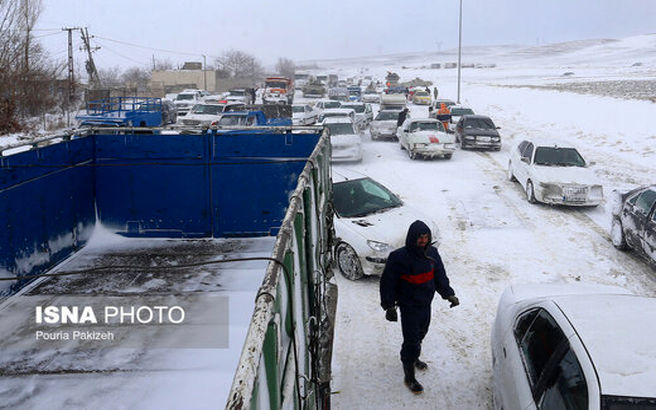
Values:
[(123, 112)]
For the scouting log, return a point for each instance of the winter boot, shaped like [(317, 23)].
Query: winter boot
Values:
[(409, 380), (420, 365)]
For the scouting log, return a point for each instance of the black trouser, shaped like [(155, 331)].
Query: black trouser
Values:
[(414, 324)]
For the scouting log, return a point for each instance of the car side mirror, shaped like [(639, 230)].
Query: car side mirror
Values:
[(591, 163), (498, 128), (526, 159)]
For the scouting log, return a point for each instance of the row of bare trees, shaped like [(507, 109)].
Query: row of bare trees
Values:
[(28, 78)]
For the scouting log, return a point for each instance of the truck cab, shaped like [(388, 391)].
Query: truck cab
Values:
[(278, 90)]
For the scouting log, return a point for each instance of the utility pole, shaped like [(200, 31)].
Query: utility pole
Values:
[(94, 78), (459, 49), (71, 73), (204, 72)]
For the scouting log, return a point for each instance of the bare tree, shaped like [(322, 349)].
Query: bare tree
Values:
[(238, 64), (28, 78), (161, 65), (110, 77), (286, 67), (136, 77)]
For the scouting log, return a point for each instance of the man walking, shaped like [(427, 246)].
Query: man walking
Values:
[(410, 279)]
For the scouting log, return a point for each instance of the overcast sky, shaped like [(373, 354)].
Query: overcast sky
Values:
[(315, 29)]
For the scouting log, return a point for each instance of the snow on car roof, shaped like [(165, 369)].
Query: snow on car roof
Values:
[(337, 120), (618, 333), (549, 142), (339, 110)]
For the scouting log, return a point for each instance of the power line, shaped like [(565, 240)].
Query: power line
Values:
[(48, 35), (154, 48), (121, 55)]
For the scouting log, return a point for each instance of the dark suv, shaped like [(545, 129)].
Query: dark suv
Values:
[(634, 222), (477, 131)]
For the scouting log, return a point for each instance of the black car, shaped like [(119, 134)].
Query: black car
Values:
[(169, 112), (634, 222), (477, 131)]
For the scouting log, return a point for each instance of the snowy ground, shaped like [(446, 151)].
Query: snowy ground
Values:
[(491, 236)]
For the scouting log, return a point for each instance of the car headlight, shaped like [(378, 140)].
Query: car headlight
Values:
[(549, 189), (470, 137), (378, 246)]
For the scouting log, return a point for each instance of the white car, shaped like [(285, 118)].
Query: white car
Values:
[(573, 346), (239, 95), (384, 125), (370, 222), (321, 105), (344, 140), (458, 111), (553, 172), (303, 114), (371, 97), (185, 100), (203, 115), (425, 137), (339, 112), (363, 113)]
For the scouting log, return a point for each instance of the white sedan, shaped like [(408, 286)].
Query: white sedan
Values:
[(370, 222), (425, 137), (344, 140), (553, 172), (303, 114), (573, 346)]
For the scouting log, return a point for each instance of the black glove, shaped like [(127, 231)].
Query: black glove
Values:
[(454, 301), (391, 315)]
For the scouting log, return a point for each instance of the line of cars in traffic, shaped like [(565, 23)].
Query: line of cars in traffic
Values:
[(565, 346)]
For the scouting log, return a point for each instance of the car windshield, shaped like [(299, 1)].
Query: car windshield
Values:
[(362, 197), (354, 92), (421, 94), (387, 116), (566, 157), (298, 108), (461, 111), (335, 114), (480, 123), (332, 104), (340, 128), (233, 120), (181, 97), (276, 84), (238, 93), (426, 126), (354, 107), (207, 109)]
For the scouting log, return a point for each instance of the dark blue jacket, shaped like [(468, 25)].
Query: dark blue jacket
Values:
[(413, 275)]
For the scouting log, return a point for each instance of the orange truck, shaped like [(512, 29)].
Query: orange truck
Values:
[(278, 90)]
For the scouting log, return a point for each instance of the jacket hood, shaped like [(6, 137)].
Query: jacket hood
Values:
[(417, 228)]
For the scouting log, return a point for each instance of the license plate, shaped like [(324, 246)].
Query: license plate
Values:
[(484, 139)]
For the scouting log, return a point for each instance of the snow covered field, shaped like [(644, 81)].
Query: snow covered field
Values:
[(491, 236)]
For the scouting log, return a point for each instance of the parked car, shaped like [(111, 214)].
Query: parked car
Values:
[(439, 101), (384, 125), (344, 140), (363, 113), (477, 131), (573, 347), (241, 95), (303, 114), (421, 97), (553, 172), (425, 138), (634, 222), (458, 111), (370, 222), (370, 96), (169, 112)]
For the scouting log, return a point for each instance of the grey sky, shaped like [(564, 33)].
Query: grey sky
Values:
[(310, 29)]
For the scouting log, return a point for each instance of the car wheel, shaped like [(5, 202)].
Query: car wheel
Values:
[(617, 235), (530, 193), (511, 176), (348, 262), (412, 154), (448, 156), (401, 146)]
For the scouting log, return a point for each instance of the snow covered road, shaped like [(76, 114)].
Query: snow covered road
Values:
[(490, 237)]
